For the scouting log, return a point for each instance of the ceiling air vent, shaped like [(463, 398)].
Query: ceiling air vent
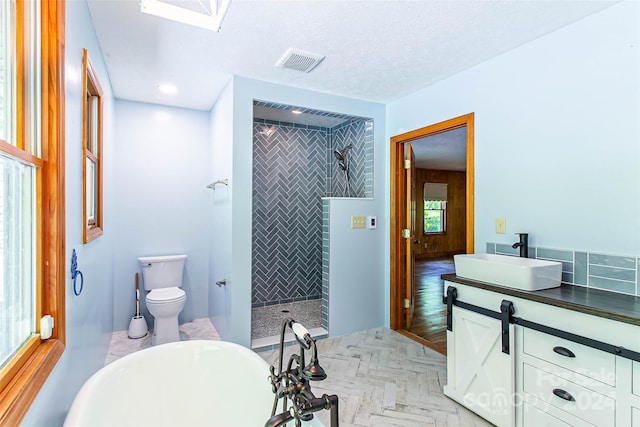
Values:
[(299, 60)]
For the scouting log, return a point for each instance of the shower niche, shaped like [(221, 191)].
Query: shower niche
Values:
[(301, 157)]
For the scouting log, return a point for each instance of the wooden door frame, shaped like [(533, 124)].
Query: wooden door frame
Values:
[(397, 214)]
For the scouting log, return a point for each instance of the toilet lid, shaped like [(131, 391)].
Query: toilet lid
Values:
[(165, 295)]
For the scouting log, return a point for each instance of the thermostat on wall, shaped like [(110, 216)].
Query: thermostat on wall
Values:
[(372, 222)]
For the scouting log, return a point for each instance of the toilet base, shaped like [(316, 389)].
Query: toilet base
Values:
[(165, 330)]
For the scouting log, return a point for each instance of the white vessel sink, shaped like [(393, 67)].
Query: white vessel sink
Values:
[(511, 272)]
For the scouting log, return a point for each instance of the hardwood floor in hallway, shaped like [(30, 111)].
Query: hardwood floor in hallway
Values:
[(429, 320)]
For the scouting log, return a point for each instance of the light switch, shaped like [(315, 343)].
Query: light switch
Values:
[(501, 225), (357, 221)]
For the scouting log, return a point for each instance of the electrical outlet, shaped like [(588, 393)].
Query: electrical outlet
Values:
[(501, 225), (425, 246), (357, 221)]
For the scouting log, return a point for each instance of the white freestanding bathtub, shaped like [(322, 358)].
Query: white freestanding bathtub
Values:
[(187, 383)]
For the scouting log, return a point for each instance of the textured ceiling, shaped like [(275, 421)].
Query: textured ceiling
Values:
[(375, 50)]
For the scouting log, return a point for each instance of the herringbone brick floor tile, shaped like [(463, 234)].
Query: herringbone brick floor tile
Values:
[(385, 379)]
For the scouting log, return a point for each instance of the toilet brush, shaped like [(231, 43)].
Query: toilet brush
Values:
[(138, 325)]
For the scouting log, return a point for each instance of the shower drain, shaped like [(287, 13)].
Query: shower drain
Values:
[(284, 311)]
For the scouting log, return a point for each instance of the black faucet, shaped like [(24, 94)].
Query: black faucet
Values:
[(294, 382), (523, 244)]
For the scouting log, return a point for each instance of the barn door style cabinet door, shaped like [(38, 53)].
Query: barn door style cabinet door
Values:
[(480, 375)]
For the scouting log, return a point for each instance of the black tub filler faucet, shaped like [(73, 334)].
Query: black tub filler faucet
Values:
[(294, 383)]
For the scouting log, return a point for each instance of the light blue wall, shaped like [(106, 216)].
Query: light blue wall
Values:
[(557, 135), (220, 214), (556, 125), (89, 317), (356, 268), (244, 92), (162, 201)]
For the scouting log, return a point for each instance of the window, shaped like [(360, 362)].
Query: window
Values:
[(435, 214), (92, 152), (17, 251), (435, 207), (31, 198)]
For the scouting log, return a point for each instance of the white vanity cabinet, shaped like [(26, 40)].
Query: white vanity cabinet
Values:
[(565, 367), (479, 374)]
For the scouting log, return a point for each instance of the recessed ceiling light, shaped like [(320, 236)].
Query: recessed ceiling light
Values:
[(296, 111), (167, 89)]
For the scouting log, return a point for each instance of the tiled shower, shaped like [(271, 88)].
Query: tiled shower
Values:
[(294, 168)]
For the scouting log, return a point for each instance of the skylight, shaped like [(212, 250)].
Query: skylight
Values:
[(210, 18)]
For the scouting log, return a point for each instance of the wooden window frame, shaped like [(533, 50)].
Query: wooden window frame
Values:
[(22, 378), (91, 228), (443, 217)]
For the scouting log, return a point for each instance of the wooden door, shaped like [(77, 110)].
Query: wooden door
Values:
[(410, 225)]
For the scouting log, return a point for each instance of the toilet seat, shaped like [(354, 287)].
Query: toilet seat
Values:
[(166, 295)]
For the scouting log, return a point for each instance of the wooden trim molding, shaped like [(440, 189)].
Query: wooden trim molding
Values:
[(395, 224), (53, 104), (397, 250), (17, 396), (17, 153), (40, 356), (91, 230)]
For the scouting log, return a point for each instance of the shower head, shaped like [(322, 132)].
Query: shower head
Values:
[(342, 154)]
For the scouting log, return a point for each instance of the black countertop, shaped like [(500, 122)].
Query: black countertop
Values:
[(610, 305)]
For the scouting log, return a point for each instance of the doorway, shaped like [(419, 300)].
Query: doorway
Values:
[(404, 288)]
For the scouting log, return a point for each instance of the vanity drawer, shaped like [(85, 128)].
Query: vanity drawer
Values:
[(578, 401), (587, 361), (534, 417)]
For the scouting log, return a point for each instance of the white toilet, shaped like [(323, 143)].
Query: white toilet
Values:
[(163, 278)]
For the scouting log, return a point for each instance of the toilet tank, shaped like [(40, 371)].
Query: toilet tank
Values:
[(162, 271)]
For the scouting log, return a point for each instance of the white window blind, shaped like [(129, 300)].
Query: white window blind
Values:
[(435, 191)]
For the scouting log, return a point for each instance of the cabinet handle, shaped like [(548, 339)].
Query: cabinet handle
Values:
[(563, 394), (563, 351)]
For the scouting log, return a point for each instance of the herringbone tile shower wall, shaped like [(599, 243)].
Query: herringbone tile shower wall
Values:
[(289, 176), (358, 133), (293, 168)]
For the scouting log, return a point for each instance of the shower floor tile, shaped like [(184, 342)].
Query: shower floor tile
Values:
[(267, 321), (273, 342)]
